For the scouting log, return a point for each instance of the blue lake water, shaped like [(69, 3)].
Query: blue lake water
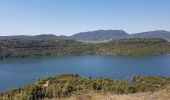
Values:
[(16, 72)]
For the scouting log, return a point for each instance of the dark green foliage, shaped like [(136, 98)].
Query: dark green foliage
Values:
[(69, 90), (132, 89), (97, 86), (37, 93)]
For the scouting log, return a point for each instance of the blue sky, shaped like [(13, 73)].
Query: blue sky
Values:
[(66, 17)]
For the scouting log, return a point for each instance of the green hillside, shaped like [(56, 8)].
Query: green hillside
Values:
[(136, 46)]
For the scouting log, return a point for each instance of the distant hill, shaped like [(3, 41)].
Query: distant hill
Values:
[(44, 37), (102, 35), (152, 34), (99, 35), (21, 37), (26, 37)]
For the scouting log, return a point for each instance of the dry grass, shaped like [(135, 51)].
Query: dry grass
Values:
[(161, 95), (139, 96), (96, 96)]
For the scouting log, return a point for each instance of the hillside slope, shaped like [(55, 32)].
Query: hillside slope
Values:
[(65, 86), (136, 46)]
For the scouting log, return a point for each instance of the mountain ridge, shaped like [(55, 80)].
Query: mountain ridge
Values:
[(98, 35)]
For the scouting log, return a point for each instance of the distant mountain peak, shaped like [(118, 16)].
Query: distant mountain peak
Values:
[(100, 35)]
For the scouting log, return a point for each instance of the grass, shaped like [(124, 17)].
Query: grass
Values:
[(159, 95)]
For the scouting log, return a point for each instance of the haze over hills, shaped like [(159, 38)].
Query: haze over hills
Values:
[(99, 35)]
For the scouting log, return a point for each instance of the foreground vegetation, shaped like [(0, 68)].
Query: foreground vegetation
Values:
[(71, 85), (160, 95), (24, 48)]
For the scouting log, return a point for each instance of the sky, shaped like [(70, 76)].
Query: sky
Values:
[(67, 17)]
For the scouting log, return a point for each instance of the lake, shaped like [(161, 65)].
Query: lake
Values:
[(16, 72)]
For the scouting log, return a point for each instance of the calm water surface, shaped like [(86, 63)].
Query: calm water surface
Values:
[(16, 72)]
